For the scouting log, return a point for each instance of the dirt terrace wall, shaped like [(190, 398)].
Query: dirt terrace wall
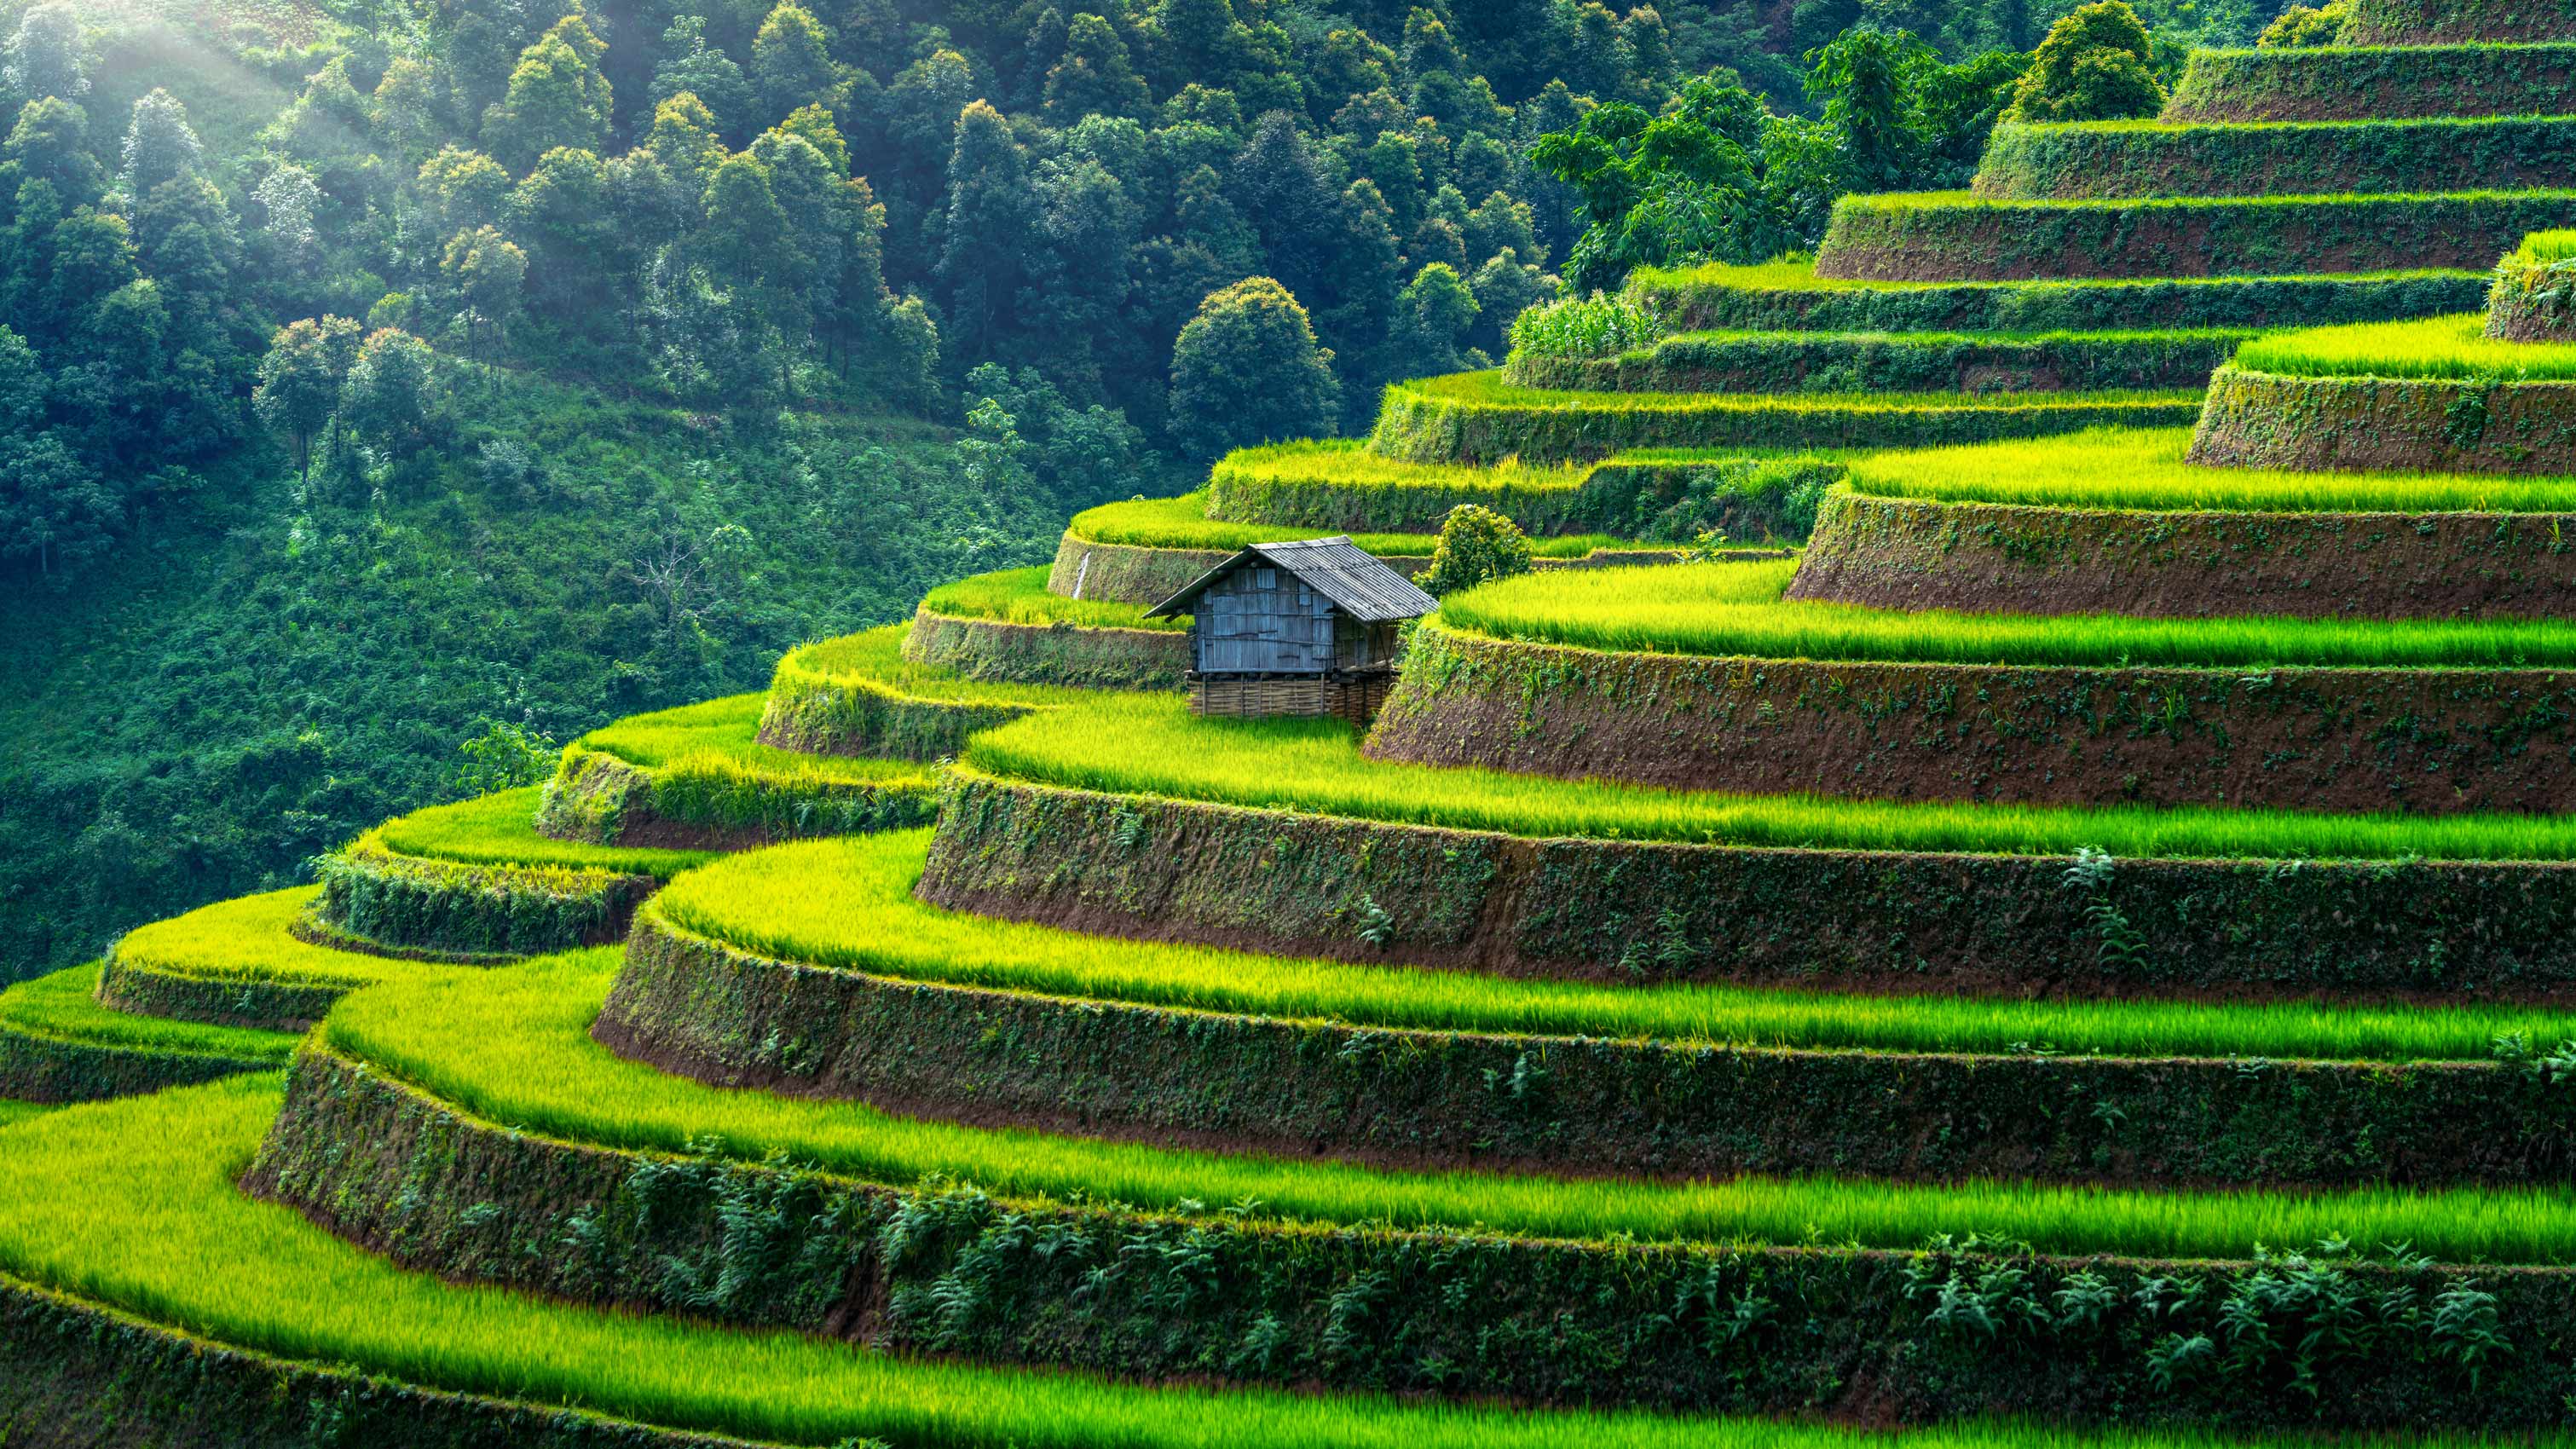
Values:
[(1563, 1105), (2260, 302), (1888, 1337), (2377, 424), (1907, 553), (1642, 913), (2431, 741)]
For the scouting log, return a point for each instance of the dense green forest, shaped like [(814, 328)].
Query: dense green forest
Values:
[(380, 381)]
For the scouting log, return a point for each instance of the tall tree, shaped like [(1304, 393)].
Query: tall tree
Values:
[(300, 379), (689, 64), (987, 230), (43, 55), (792, 65), (160, 145), (1247, 370), (490, 274), (386, 398), (556, 97)]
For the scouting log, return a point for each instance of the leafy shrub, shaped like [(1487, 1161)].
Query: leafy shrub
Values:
[(2304, 26), (504, 757), (1585, 327), (1476, 545), (2096, 65)]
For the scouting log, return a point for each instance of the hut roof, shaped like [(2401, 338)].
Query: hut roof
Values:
[(1336, 568)]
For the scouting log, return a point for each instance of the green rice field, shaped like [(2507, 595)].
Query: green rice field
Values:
[(718, 737), (246, 939), (1488, 390), (874, 661), (1183, 523), (2438, 348)]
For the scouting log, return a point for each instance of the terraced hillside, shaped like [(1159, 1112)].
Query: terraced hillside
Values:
[(2078, 953)]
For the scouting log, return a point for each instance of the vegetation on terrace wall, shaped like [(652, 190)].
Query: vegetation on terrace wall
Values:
[(1794, 362), (1474, 418), (2361, 424), (1949, 237), (2504, 154), (1463, 1314), (2350, 84), (1769, 299)]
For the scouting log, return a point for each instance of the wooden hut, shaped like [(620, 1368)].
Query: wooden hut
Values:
[(1295, 629)]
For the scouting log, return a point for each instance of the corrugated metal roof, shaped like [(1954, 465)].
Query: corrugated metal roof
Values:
[(1336, 568)]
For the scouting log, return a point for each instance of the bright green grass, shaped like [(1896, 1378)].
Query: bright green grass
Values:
[(847, 903), (719, 737), (2446, 348), (500, 829), (517, 1051), (151, 1184), (873, 660), (2542, 248), (246, 939), (1736, 610), (1019, 596), (1801, 277), (1183, 523), (1153, 746), (1488, 390), (20, 1111), (2145, 468), (64, 1007)]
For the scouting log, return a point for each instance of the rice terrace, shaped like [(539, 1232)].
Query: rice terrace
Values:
[(1963, 839)]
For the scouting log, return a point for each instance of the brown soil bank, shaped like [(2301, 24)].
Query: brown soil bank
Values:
[(2393, 425), (1477, 1314), (1042, 654), (1907, 553), (1959, 239), (2434, 741), (1646, 913)]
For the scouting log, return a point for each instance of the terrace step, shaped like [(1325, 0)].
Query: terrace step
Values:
[(59, 1044), (1803, 711), (1791, 297), (237, 963), (1955, 236), (696, 777), (158, 1181), (860, 696), (1820, 364), (2367, 83), (1475, 418), (476, 883), (2117, 522), (2118, 159), (1033, 640)]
